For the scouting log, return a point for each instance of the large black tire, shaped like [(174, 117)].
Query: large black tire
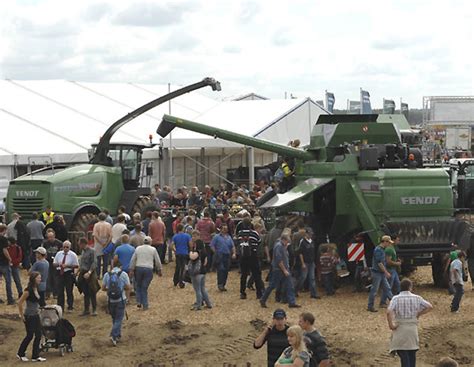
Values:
[(143, 205), (80, 227), (437, 270)]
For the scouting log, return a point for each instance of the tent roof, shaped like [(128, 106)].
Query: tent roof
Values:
[(61, 119)]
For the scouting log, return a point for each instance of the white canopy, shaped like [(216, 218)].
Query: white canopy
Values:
[(61, 119)]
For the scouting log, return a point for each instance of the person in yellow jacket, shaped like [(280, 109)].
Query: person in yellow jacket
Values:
[(288, 180), (47, 216)]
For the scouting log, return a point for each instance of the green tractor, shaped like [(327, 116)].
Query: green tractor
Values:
[(110, 180), (355, 177)]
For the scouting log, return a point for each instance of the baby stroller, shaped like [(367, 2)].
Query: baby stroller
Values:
[(57, 332)]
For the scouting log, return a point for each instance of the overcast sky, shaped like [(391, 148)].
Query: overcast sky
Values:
[(392, 49)]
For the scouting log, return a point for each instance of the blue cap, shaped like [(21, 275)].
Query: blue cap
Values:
[(279, 314)]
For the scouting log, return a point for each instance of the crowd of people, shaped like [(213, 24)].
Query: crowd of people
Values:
[(203, 232)]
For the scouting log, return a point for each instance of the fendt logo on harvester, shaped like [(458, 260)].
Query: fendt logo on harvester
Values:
[(419, 200), (26, 194)]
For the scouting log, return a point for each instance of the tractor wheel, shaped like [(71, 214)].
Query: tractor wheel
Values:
[(143, 205), (82, 224), (438, 270)]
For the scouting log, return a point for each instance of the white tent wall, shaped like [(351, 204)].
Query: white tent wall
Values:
[(6, 175)]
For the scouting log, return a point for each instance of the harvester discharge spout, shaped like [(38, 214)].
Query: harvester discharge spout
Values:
[(170, 122)]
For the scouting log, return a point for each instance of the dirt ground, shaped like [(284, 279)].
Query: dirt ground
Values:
[(169, 334)]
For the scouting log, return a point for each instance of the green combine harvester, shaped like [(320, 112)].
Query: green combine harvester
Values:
[(110, 180), (353, 178)]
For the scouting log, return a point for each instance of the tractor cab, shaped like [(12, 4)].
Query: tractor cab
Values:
[(128, 157)]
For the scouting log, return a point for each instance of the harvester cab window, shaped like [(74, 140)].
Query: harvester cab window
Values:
[(114, 157), (129, 164)]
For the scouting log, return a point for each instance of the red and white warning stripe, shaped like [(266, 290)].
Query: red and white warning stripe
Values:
[(355, 252)]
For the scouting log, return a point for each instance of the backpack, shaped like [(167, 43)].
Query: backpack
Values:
[(115, 287)]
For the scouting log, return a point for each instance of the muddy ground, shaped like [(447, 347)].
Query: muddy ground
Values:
[(169, 334)]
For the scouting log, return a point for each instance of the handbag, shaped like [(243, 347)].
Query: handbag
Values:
[(194, 267)]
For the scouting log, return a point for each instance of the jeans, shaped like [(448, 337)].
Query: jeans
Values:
[(277, 278), (199, 285), (16, 278), (65, 282), (179, 269), (143, 278), (308, 272), (117, 312), (378, 279), (102, 262), (458, 293), (223, 264), (6, 271), (161, 249), (26, 261), (394, 283), (33, 328), (248, 266), (328, 283), (407, 358)]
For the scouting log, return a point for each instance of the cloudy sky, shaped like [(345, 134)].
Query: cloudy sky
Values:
[(393, 49)]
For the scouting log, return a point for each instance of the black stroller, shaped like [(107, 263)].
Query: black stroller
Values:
[(57, 332)]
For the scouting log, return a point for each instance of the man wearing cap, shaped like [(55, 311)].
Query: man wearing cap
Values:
[(144, 260), (380, 274), (65, 262), (275, 337), (41, 265)]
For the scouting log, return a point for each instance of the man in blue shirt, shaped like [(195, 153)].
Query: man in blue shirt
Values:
[(281, 273), (223, 246), (117, 306), (380, 274), (180, 243), (124, 253)]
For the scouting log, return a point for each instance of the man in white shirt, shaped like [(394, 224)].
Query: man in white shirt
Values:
[(403, 313), (118, 228), (456, 277), (65, 262), (143, 261)]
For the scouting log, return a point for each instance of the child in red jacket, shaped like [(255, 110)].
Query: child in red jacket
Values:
[(16, 254)]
